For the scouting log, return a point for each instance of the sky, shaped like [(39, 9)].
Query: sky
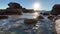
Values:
[(45, 4)]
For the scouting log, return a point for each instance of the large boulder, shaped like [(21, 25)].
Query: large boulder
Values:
[(15, 9), (56, 9), (13, 5), (57, 26)]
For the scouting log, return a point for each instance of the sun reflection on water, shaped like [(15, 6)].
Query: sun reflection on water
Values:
[(35, 15)]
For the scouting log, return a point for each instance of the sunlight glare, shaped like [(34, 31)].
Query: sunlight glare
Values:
[(36, 6)]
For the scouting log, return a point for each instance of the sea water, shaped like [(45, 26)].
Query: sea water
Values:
[(43, 26)]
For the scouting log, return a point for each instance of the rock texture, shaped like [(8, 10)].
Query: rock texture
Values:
[(3, 17), (15, 9), (13, 5), (30, 21), (56, 9)]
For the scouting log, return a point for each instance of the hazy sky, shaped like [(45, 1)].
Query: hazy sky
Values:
[(45, 4)]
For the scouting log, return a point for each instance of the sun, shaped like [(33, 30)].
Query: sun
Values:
[(36, 6)]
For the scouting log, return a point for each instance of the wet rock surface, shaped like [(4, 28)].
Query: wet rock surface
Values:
[(3, 17), (30, 21), (43, 26)]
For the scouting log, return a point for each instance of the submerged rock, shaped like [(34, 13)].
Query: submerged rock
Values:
[(40, 17), (30, 21), (50, 17)]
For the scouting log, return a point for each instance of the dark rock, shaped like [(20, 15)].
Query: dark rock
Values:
[(50, 17), (54, 32), (11, 12), (3, 17), (28, 10), (13, 5), (30, 21), (15, 9), (2, 12), (56, 9), (45, 13), (40, 17)]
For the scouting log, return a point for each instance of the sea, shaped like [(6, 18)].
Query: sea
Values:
[(15, 25)]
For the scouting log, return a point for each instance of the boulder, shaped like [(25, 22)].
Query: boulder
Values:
[(51, 17), (30, 21), (56, 9), (40, 17), (15, 9), (13, 5)]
